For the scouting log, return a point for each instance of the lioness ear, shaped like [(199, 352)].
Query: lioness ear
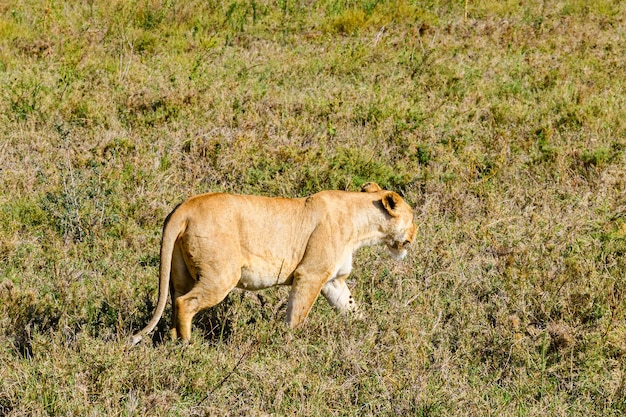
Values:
[(370, 187), (391, 201)]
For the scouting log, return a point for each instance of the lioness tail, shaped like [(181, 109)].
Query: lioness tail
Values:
[(172, 228)]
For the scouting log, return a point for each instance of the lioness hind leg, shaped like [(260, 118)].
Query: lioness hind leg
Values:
[(181, 282), (199, 298), (186, 306), (338, 295)]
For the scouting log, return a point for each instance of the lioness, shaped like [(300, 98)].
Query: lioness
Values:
[(213, 243)]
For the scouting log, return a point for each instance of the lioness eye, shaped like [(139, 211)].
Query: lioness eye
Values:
[(406, 242)]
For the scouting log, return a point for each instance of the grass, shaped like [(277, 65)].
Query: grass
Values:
[(503, 123)]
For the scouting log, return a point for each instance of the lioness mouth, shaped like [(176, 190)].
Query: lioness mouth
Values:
[(400, 245)]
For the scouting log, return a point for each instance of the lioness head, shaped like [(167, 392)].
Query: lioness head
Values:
[(399, 228)]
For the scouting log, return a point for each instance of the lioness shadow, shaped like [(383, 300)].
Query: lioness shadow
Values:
[(240, 309), (217, 324)]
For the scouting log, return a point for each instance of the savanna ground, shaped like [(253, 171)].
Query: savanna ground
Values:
[(502, 122)]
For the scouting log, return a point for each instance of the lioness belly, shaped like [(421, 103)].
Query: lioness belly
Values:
[(263, 275)]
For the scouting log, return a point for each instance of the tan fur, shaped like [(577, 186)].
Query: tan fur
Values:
[(213, 243)]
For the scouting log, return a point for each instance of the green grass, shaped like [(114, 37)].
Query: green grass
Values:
[(502, 122)]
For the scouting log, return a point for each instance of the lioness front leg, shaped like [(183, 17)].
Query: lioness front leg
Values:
[(338, 295), (303, 294)]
